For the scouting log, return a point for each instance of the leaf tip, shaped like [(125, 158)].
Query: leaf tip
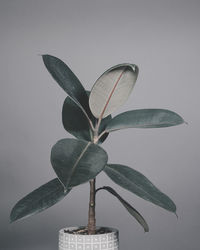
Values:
[(176, 215), (146, 228), (135, 68), (12, 218), (11, 221), (45, 56)]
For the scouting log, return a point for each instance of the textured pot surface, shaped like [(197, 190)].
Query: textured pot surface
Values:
[(106, 241)]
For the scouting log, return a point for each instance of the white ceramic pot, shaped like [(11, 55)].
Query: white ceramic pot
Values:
[(105, 241)]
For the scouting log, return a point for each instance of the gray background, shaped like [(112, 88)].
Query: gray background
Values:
[(162, 38)]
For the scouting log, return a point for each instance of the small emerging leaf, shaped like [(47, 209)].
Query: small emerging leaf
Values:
[(144, 118), (138, 184), (112, 89), (40, 199), (76, 161), (129, 208)]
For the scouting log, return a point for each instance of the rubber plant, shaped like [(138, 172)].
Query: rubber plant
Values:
[(87, 116)]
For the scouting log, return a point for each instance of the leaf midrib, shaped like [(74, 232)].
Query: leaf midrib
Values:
[(145, 126), (107, 102), (40, 198), (48, 194), (76, 163), (135, 185)]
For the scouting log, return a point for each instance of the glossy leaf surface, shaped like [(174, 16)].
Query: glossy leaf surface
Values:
[(77, 161), (144, 118), (76, 123), (112, 89), (129, 208), (103, 124), (67, 80), (138, 184), (40, 199), (74, 120)]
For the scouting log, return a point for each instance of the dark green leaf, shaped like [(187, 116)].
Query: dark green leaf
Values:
[(67, 80), (144, 118), (77, 161), (138, 184), (74, 120), (129, 208), (103, 124), (76, 123), (40, 199)]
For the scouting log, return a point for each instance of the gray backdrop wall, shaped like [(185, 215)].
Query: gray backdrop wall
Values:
[(162, 38)]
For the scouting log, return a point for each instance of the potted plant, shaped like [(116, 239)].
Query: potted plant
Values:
[(87, 116)]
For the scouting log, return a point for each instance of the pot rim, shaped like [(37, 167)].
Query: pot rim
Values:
[(112, 230)]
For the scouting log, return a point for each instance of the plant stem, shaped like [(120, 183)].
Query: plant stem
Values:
[(91, 213)]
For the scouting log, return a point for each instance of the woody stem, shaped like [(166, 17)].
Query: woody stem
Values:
[(91, 213)]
